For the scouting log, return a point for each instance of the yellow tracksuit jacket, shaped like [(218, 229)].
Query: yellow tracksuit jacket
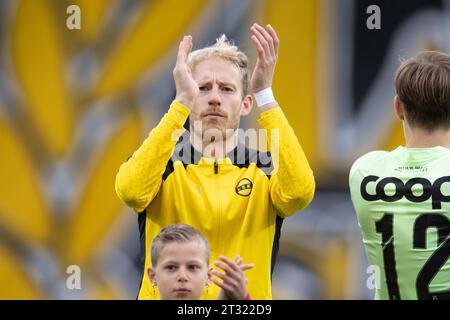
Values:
[(238, 203)]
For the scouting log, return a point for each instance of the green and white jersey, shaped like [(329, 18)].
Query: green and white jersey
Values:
[(402, 201)]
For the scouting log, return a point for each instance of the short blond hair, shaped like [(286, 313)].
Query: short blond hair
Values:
[(225, 49), (423, 85), (179, 233)]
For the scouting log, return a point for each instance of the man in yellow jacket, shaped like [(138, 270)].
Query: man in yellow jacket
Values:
[(235, 196)]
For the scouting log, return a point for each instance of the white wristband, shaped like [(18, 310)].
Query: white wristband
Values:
[(264, 96)]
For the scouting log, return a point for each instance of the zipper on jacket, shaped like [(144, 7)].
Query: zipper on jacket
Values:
[(216, 167)]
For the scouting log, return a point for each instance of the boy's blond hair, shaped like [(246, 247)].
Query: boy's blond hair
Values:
[(179, 233)]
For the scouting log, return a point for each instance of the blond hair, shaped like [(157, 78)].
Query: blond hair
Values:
[(179, 233), (423, 86), (225, 49)]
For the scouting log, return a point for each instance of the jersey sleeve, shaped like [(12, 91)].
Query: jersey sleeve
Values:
[(139, 179), (354, 179), (292, 183), (358, 171)]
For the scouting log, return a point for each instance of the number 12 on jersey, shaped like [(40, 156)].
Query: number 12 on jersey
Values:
[(385, 226)]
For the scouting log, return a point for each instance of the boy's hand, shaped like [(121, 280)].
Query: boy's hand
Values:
[(234, 282)]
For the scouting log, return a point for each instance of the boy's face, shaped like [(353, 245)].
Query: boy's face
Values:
[(219, 104), (182, 271)]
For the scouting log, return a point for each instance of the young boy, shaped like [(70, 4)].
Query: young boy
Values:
[(180, 267), (402, 198)]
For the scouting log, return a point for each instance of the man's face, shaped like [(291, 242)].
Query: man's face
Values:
[(218, 105), (182, 271)]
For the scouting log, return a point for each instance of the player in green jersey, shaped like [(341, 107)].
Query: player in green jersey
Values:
[(402, 197)]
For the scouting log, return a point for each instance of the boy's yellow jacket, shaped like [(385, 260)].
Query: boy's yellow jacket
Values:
[(238, 203)]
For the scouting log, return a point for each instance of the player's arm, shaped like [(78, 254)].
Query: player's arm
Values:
[(139, 179), (233, 282), (292, 184)]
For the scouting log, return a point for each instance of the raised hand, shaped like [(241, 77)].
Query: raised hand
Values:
[(234, 282), (186, 87), (266, 43)]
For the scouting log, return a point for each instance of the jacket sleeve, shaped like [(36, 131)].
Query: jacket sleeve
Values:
[(139, 179), (292, 182)]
